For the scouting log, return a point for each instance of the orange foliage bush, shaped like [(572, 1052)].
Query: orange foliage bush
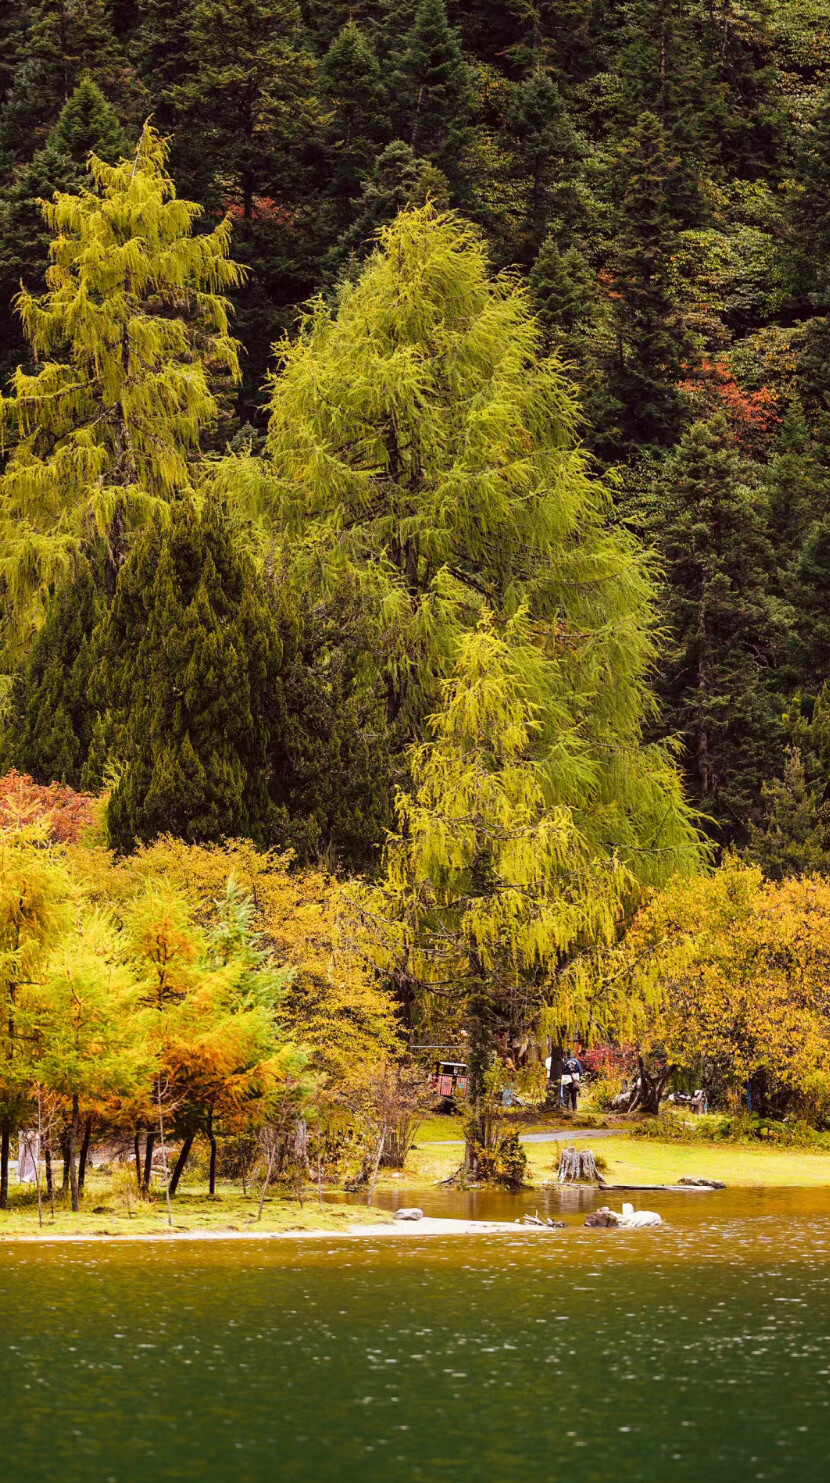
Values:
[(24, 801), (752, 415)]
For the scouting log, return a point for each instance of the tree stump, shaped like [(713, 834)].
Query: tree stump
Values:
[(578, 1166)]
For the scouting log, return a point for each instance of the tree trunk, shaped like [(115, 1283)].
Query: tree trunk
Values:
[(479, 1043), (84, 1152), (212, 1141), (64, 1143), (148, 1160), (73, 1144), (554, 1092), (650, 1091), (47, 1154), (5, 1140), (180, 1163), (137, 1156)]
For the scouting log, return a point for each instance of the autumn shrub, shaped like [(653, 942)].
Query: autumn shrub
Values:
[(505, 1166), (742, 1127), (69, 814)]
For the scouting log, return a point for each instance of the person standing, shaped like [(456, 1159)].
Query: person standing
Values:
[(572, 1073)]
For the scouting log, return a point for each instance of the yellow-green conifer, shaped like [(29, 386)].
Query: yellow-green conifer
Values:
[(107, 427)]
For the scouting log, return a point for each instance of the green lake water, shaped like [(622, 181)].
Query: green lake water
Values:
[(697, 1352)]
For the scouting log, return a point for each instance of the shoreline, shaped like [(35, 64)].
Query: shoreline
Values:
[(429, 1225)]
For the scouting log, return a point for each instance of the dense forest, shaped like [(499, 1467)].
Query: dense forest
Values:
[(655, 175), (415, 462)]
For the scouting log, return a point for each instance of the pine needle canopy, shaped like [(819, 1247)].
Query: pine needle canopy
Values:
[(129, 338), (421, 441), (492, 894)]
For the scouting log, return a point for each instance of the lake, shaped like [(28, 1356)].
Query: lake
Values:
[(699, 1351)]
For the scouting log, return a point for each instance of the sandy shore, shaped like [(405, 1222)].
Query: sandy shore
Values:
[(429, 1225)]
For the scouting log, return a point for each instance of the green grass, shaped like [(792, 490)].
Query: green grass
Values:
[(646, 1161), (451, 1129), (193, 1209), (630, 1160)]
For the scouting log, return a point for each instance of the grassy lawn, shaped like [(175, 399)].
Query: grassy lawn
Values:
[(451, 1129), (630, 1160), (645, 1161), (193, 1209)]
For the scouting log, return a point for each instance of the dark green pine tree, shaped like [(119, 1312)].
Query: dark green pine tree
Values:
[(161, 48), (398, 179), (808, 257), (50, 720), (245, 103), (808, 590), (86, 122), (794, 835), (331, 769), (64, 40), (726, 636), (544, 156), (494, 31), (356, 118), (431, 91), (796, 483), (653, 346), (247, 136), (13, 20), (664, 70), (565, 300), (189, 677)]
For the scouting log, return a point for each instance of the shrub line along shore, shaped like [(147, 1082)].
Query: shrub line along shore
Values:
[(228, 1216)]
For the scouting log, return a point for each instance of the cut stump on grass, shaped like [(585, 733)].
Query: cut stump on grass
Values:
[(578, 1166)]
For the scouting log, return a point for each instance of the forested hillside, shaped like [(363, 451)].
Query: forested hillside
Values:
[(207, 604)]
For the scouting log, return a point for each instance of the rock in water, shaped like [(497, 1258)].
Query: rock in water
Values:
[(602, 1217), (701, 1183), (409, 1212)]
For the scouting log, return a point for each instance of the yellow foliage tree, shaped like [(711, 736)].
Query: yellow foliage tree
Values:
[(732, 972), (333, 1004)]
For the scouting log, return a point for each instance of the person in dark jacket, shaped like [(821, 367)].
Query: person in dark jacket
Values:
[(572, 1073)]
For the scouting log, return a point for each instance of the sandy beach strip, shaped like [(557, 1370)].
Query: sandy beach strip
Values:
[(429, 1225)]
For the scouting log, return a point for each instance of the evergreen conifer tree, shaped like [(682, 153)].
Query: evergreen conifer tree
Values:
[(64, 40), (653, 345), (795, 483), (245, 101), (794, 837), (356, 117), (809, 212), (545, 156), (329, 739), (105, 433), (431, 90), (248, 132), (188, 675), (160, 45), (727, 638), (564, 294), (398, 179), (86, 123), (421, 446), (50, 720), (808, 589)]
